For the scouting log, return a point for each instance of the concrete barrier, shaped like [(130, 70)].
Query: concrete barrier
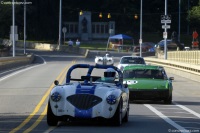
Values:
[(53, 47), (4, 53), (74, 50), (12, 62)]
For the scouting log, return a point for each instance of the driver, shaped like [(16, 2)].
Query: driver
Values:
[(157, 74), (109, 75)]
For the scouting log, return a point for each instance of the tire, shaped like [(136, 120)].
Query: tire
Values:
[(125, 119), (52, 120), (168, 100), (117, 118)]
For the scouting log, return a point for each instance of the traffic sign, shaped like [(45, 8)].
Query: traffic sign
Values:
[(166, 26), (164, 34), (64, 29), (195, 34), (165, 21), (165, 18), (15, 36)]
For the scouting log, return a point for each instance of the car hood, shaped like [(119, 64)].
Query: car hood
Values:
[(146, 83)]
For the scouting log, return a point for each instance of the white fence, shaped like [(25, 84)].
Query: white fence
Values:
[(190, 57)]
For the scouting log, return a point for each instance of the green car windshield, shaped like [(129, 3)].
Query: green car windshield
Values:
[(143, 73)]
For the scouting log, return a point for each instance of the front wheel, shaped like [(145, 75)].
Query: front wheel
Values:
[(117, 118), (52, 120), (125, 119)]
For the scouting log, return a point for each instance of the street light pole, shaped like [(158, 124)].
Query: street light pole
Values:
[(60, 23), (165, 46), (140, 41), (24, 26), (13, 28), (179, 21), (188, 26)]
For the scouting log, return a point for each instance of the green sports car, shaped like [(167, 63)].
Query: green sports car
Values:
[(148, 82)]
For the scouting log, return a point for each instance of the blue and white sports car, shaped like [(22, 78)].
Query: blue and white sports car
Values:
[(90, 97)]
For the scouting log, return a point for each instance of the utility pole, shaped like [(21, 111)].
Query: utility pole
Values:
[(140, 41), (179, 21), (24, 26), (13, 28), (60, 23), (165, 47)]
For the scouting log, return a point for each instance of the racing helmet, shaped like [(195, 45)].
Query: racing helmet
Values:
[(110, 72)]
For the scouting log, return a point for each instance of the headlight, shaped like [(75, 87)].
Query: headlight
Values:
[(111, 99), (55, 97)]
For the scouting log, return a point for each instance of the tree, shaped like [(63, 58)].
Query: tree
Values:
[(43, 16), (194, 17)]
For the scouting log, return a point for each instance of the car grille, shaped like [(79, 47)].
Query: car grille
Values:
[(84, 101)]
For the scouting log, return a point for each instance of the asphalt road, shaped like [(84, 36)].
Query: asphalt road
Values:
[(24, 93)]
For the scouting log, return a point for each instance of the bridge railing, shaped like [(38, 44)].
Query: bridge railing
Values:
[(190, 57), (187, 70)]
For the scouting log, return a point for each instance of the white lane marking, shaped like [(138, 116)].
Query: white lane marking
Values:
[(169, 108), (165, 118), (187, 109), (17, 72)]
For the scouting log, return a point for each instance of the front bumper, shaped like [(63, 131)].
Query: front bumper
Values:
[(149, 94), (83, 106)]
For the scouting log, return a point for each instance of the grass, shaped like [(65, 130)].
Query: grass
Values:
[(98, 46)]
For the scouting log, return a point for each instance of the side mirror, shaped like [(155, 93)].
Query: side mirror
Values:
[(56, 82), (171, 78)]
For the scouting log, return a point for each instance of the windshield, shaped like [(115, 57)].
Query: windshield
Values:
[(131, 60), (143, 73)]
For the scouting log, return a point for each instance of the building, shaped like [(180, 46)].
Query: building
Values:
[(85, 29)]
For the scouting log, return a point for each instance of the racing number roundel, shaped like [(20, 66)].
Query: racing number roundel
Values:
[(132, 81)]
